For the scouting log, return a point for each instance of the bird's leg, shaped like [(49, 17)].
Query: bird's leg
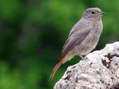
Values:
[(82, 57)]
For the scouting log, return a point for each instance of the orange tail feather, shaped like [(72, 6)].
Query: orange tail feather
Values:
[(62, 60), (55, 70)]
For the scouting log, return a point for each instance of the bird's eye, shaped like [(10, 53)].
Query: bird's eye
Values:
[(93, 12)]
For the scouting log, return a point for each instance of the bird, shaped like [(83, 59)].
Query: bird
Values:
[(83, 37)]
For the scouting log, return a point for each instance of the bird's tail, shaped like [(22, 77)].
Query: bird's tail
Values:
[(61, 61)]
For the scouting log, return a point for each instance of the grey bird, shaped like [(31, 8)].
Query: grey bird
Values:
[(82, 38)]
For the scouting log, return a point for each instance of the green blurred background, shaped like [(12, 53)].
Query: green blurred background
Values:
[(32, 33)]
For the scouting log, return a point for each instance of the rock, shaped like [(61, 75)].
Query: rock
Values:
[(98, 70)]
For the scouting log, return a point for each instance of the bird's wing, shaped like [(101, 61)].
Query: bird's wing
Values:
[(78, 33)]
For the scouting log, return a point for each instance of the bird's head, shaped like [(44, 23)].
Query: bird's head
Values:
[(93, 13)]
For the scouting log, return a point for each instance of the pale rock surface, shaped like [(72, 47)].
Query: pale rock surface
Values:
[(98, 70)]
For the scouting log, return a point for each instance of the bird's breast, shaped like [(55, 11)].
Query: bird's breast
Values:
[(90, 42)]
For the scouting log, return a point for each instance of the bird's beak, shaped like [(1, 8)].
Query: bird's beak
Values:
[(100, 14)]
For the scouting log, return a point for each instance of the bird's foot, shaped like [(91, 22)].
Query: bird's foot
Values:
[(82, 57)]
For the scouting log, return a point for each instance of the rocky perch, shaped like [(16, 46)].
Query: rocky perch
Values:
[(98, 70)]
